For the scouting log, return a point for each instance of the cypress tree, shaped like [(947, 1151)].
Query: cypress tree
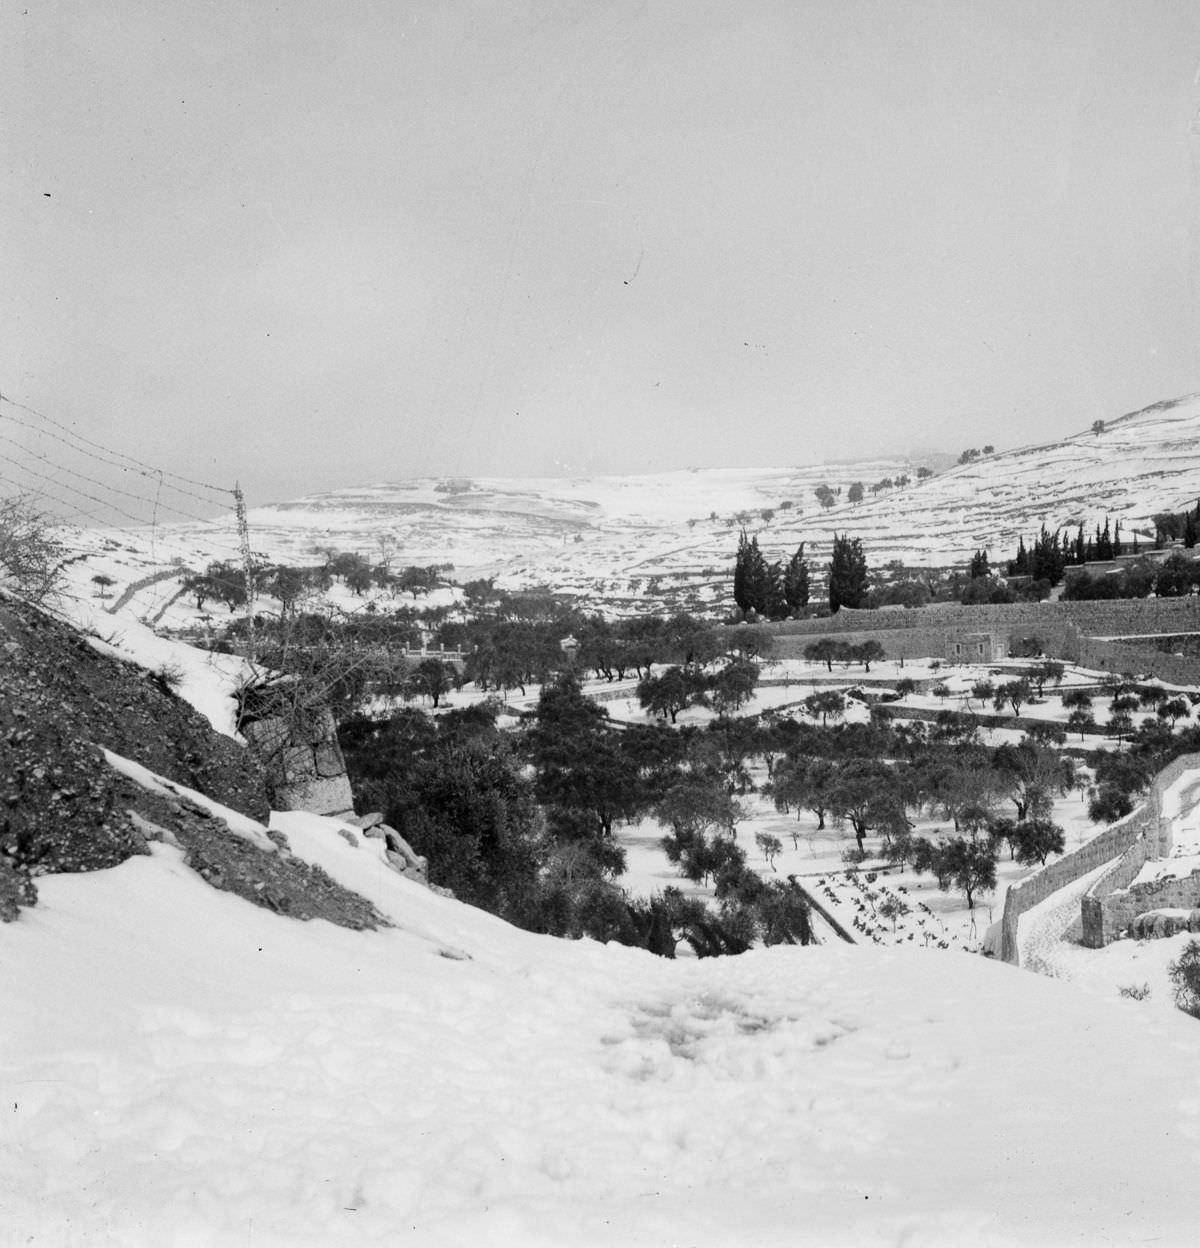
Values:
[(775, 605), (1020, 565), (739, 574), (1104, 545), (1047, 560), (757, 578), (795, 581), (847, 573)]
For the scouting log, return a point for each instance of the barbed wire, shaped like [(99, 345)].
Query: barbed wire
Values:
[(114, 489), (137, 465), (218, 543), (72, 495)]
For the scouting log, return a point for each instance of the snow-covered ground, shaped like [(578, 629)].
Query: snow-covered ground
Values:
[(181, 1068), (178, 1067)]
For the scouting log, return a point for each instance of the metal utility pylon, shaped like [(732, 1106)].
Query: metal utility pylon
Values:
[(243, 528)]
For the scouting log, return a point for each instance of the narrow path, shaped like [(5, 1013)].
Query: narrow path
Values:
[(1044, 929)]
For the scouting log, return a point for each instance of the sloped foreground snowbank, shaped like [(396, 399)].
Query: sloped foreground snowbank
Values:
[(179, 1067)]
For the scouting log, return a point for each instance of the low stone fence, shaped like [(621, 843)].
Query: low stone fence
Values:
[(985, 719), (163, 574)]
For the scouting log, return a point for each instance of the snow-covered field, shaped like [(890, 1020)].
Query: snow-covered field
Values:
[(181, 1068)]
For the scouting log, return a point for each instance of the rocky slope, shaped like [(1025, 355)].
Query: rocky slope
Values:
[(65, 808)]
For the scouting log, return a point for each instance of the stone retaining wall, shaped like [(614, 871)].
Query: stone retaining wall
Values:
[(1110, 904), (898, 643), (1067, 630), (1111, 843), (1129, 656), (1104, 618), (1143, 834), (1100, 618)]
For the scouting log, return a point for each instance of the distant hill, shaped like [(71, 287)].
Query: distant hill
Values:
[(616, 540)]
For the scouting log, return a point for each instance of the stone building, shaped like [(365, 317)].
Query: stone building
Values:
[(962, 646)]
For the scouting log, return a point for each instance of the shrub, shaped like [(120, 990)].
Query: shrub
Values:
[(31, 558), (169, 675), (1185, 978)]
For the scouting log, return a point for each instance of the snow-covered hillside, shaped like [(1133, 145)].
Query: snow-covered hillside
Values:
[(182, 1068), (620, 541)]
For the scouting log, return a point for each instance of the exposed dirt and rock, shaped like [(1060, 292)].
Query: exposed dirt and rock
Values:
[(64, 808), (277, 880), (68, 690)]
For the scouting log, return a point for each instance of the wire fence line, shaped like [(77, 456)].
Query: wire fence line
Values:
[(75, 480), (116, 456)]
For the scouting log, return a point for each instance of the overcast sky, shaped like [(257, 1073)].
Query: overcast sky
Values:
[(311, 245)]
